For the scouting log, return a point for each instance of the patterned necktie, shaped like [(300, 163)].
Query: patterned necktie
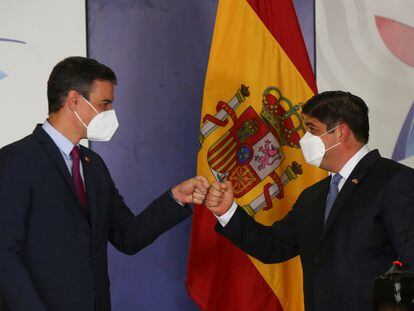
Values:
[(332, 194), (77, 179)]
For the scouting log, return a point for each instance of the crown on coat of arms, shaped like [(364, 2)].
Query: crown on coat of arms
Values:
[(282, 116)]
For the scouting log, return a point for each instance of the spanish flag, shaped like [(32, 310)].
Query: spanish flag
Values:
[(258, 77)]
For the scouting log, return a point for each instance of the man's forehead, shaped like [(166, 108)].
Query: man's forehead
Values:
[(102, 85), (102, 88), (311, 121)]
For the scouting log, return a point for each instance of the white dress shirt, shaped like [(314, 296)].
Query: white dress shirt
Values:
[(345, 171)]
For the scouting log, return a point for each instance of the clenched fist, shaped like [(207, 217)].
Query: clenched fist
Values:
[(220, 197), (192, 191)]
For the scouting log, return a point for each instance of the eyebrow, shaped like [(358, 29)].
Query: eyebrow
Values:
[(309, 123), (311, 127), (106, 101)]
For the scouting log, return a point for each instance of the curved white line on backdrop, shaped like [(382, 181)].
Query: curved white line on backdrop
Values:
[(352, 56)]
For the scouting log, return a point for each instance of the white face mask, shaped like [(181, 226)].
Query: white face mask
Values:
[(313, 148), (102, 126)]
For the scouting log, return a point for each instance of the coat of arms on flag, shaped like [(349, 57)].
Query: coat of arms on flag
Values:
[(249, 135), (251, 149)]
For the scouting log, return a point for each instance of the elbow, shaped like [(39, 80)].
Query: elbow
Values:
[(130, 246)]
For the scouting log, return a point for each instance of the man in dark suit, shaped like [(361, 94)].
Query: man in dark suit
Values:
[(59, 206), (349, 227)]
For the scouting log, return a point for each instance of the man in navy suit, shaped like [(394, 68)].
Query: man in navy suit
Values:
[(349, 227), (59, 206)]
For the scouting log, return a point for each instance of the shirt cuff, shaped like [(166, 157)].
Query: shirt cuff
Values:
[(173, 197), (225, 218)]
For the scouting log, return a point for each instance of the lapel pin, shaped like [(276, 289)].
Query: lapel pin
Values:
[(87, 159), (355, 181)]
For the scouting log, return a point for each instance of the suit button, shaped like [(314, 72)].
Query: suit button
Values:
[(92, 291), (317, 259), (93, 257)]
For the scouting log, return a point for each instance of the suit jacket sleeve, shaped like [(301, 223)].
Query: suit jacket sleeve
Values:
[(130, 233), (398, 210), (269, 244), (16, 286)]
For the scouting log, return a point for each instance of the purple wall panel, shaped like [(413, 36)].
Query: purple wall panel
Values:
[(305, 10), (159, 50)]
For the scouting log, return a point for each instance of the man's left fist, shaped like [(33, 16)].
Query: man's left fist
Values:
[(192, 191)]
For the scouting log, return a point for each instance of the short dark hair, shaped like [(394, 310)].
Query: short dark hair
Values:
[(75, 73), (334, 107)]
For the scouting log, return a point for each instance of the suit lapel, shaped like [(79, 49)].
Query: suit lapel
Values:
[(316, 219), (90, 184), (346, 191), (54, 153), (320, 202), (353, 181)]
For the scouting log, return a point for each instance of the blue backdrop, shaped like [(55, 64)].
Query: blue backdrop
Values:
[(159, 51)]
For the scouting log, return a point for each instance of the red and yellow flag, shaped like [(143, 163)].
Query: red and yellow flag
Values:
[(257, 78)]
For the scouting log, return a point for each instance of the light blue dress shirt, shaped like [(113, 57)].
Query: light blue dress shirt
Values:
[(64, 144)]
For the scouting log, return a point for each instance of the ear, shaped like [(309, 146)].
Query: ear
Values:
[(72, 100), (344, 131)]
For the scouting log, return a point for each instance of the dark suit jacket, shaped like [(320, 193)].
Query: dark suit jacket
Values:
[(364, 233), (51, 258)]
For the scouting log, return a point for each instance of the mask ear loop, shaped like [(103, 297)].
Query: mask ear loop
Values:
[(90, 105), (332, 129), (76, 114), (332, 146)]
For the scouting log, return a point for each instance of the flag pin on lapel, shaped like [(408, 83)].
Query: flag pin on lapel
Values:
[(355, 181), (87, 159)]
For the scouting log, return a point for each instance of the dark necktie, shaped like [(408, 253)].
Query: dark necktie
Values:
[(77, 179), (332, 194)]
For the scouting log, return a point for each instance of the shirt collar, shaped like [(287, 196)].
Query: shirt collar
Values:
[(63, 143), (349, 166)]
